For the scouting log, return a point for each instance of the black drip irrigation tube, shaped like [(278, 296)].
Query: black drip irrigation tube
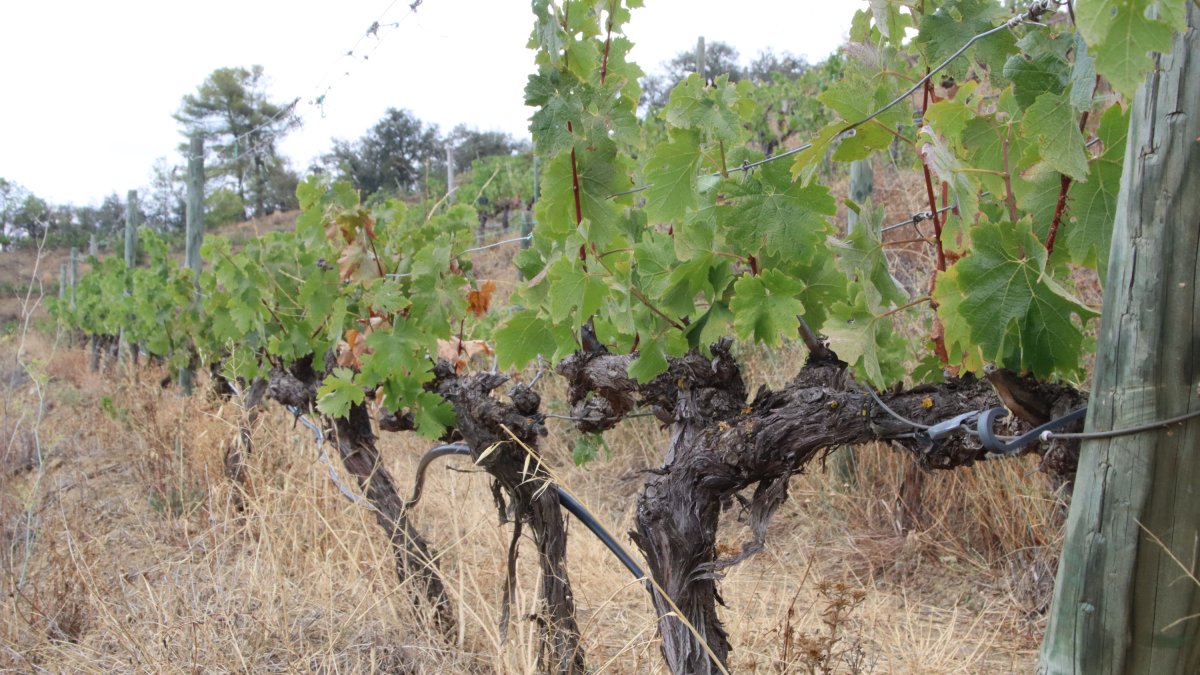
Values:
[(565, 498)]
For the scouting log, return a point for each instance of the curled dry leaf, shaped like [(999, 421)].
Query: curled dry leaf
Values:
[(461, 352), (479, 300)]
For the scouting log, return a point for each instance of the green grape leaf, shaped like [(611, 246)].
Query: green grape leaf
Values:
[(573, 288), (861, 259), (338, 392), (1121, 36), (846, 98), (1083, 77), (1051, 123), (1007, 308), (433, 415), (651, 361), (809, 160), (1033, 77), (717, 110), (867, 343), (950, 117), (394, 352), (945, 31), (963, 187), (772, 215), (765, 307), (1093, 205), (671, 170), (522, 338)]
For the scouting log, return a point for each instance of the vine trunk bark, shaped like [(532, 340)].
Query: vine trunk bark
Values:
[(721, 444)]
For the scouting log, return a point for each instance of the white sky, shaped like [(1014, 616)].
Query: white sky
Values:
[(89, 87)]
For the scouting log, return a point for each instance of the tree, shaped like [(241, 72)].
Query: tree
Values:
[(720, 58), (166, 202), (392, 155), (769, 65), (472, 144), (1126, 598), (242, 128), (23, 212)]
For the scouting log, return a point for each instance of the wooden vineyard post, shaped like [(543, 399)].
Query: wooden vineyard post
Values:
[(449, 174), (1126, 598), (195, 230), (131, 217), (862, 181)]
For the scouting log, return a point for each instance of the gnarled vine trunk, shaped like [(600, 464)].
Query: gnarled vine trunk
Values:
[(722, 444), (503, 437)]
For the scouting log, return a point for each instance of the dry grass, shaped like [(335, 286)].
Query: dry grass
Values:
[(135, 559)]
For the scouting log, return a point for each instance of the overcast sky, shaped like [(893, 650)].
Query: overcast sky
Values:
[(89, 87)]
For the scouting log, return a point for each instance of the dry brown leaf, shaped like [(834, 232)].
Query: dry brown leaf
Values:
[(479, 300)]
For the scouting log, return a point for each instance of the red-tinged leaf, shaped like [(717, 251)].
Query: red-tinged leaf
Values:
[(479, 300)]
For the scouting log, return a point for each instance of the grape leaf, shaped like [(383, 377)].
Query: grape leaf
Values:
[(1033, 77), (523, 337), (338, 392), (765, 307), (671, 170), (862, 260), (772, 215), (1093, 205), (432, 414), (945, 31), (1121, 36), (869, 344), (651, 361), (1052, 124), (1083, 76), (1008, 309), (571, 287), (717, 110)]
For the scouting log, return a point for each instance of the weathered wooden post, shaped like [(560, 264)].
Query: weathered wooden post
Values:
[(73, 279), (195, 231), (700, 59), (449, 174), (1126, 600), (131, 217), (862, 184), (527, 215)]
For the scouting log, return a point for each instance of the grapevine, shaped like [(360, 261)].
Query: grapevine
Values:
[(660, 241)]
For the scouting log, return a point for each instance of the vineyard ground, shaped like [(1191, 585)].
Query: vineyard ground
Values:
[(135, 556)]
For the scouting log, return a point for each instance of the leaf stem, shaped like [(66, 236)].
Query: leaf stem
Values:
[(612, 8), (637, 293), (1061, 205), (1010, 199), (901, 308)]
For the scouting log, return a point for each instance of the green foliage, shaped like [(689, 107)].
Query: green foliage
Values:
[(1123, 33), (223, 206), (498, 184), (712, 247), (708, 251)]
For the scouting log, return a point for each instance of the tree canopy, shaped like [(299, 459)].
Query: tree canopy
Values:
[(241, 126)]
